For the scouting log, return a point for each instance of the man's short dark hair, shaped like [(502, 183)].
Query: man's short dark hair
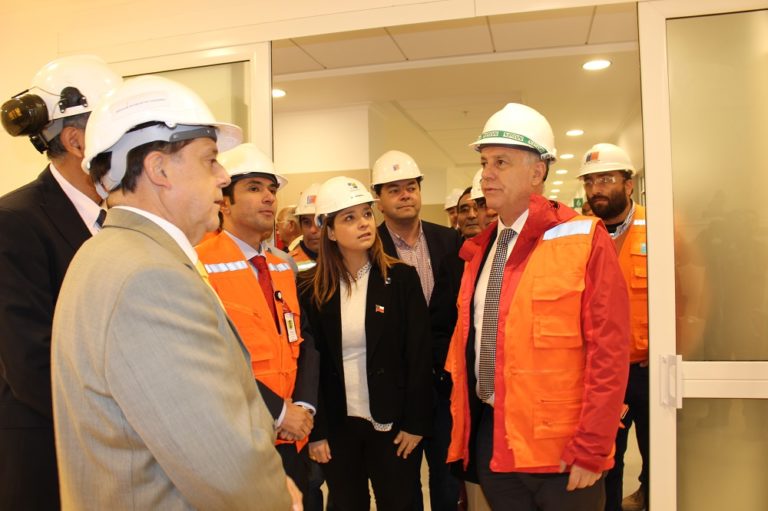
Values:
[(100, 165), (55, 148), (377, 188)]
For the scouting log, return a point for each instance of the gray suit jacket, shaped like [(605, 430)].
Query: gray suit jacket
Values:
[(154, 403)]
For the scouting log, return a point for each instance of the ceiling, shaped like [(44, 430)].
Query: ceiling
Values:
[(448, 77)]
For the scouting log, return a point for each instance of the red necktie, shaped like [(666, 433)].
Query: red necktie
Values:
[(260, 262)]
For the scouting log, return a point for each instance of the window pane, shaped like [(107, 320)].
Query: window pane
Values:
[(718, 77)]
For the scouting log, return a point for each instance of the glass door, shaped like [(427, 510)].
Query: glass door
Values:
[(705, 109)]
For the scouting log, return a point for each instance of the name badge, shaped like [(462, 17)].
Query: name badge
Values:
[(290, 327)]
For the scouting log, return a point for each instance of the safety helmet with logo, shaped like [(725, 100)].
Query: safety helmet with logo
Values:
[(394, 166), (452, 199), (62, 88), (605, 158), (519, 125), (143, 110), (477, 190), (307, 200), (245, 160), (339, 193)]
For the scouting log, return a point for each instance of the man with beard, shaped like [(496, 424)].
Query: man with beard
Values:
[(396, 181), (607, 172)]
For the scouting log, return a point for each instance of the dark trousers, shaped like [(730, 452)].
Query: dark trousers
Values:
[(443, 486), (637, 399), (296, 466), (360, 453), (28, 477), (313, 499), (521, 491)]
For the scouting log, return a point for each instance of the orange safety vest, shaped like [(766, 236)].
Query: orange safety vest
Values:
[(634, 265), (540, 401), (303, 261), (273, 357)]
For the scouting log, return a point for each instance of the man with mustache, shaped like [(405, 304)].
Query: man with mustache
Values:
[(606, 173)]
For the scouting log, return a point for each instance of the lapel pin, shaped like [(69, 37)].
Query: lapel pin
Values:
[(380, 309)]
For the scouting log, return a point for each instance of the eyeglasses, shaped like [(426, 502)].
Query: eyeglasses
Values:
[(590, 181)]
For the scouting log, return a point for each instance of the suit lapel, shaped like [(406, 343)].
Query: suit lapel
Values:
[(330, 316), (61, 212), (377, 303)]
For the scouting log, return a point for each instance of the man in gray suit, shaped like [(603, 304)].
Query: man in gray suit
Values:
[(154, 403)]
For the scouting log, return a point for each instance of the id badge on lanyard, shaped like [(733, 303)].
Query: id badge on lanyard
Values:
[(289, 320)]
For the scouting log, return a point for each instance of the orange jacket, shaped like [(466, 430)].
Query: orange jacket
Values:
[(273, 357), (634, 265), (562, 350)]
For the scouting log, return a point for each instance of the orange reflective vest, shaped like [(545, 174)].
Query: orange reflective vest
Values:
[(303, 261), (634, 265), (273, 357), (561, 371)]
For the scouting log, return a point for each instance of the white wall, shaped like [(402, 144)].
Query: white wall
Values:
[(322, 140)]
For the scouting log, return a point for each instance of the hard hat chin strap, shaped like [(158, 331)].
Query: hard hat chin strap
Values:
[(154, 133)]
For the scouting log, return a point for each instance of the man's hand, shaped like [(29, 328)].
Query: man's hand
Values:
[(406, 443), (295, 494), (297, 422), (579, 477), (320, 451)]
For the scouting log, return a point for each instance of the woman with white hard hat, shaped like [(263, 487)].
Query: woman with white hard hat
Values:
[(371, 328)]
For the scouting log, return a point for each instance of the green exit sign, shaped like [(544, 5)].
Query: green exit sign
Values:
[(578, 202)]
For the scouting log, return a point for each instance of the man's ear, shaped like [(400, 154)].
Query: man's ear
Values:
[(73, 140), (629, 186), (539, 173), (154, 163), (226, 206)]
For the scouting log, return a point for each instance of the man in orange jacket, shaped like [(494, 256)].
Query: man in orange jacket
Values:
[(539, 356), (606, 172), (256, 284)]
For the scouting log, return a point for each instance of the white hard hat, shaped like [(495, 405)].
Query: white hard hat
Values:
[(339, 193), (62, 88), (246, 159), (452, 199), (477, 190), (519, 125), (176, 112), (394, 166), (307, 200), (605, 158)]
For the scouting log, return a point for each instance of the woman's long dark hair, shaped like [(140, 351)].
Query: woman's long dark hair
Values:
[(330, 270)]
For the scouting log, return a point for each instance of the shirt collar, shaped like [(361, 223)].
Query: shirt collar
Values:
[(517, 225), (174, 232), (86, 208), (248, 251), (400, 242)]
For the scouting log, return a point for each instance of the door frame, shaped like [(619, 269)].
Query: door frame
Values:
[(671, 378)]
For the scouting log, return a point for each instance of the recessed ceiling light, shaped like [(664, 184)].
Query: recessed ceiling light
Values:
[(596, 65), (557, 183), (566, 156), (278, 93), (555, 190), (574, 133), (553, 196), (561, 171)]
